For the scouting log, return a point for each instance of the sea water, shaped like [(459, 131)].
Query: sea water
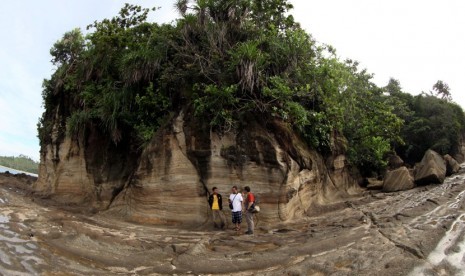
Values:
[(13, 171)]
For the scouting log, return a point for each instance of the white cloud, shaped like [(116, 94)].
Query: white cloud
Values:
[(416, 42)]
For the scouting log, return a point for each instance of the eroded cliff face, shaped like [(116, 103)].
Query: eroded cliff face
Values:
[(169, 182), (87, 170)]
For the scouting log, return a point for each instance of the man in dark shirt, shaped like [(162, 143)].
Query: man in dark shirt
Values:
[(215, 201)]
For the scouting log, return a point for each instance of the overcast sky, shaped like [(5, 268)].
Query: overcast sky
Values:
[(416, 42)]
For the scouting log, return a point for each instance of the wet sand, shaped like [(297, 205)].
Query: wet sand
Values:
[(416, 232)]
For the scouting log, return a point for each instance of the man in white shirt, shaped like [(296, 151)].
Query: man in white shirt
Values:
[(236, 199)]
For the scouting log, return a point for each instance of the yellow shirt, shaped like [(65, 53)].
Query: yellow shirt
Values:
[(215, 205)]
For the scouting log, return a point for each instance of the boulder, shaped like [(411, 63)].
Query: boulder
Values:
[(394, 161), (398, 180), (452, 166), (431, 169)]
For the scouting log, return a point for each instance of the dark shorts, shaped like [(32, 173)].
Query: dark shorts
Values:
[(237, 217)]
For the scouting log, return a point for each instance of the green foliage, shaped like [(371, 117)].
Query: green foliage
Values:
[(68, 49), (224, 61), (216, 104), (356, 108), (153, 107), (21, 163), (430, 122), (106, 78)]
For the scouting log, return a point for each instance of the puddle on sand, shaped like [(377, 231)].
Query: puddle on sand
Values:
[(17, 255)]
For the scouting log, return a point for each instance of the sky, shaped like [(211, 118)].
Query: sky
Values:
[(416, 42)]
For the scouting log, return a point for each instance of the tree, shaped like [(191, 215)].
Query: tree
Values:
[(224, 63), (442, 89), (430, 122)]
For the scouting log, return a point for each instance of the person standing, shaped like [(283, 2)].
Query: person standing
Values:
[(249, 210), (215, 200), (236, 200)]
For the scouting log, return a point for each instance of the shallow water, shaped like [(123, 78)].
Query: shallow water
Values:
[(18, 256), (13, 171)]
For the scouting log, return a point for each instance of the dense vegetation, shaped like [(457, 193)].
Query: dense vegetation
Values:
[(21, 163), (226, 60), (431, 121)]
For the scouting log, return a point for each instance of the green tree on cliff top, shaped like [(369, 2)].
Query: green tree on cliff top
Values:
[(222, 61)]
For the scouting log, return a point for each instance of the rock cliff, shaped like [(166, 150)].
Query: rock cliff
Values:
[(169, 181)]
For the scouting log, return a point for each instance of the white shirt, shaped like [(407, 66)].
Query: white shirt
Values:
[(236, 200)]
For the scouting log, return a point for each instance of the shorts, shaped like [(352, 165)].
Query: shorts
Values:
[(237, 217)]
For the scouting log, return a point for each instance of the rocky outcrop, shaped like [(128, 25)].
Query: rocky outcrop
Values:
[(170, 181), (398, 180), (179, 168), (431, 169), (68, 181), (452, 166), (88, 170)]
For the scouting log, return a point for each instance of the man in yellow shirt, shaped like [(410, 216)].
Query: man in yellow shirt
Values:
[(216, 204)]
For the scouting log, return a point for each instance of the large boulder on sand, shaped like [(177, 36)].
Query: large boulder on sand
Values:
[(398, 180), (431, 169), (452, 166)]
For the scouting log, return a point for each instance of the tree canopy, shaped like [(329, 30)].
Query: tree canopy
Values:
[(223, 61), (431, 121)]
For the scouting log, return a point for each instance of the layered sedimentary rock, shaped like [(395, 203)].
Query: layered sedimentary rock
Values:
[(170, 181), (68, 180), (87, 170), (431, 169), (398, 180)]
